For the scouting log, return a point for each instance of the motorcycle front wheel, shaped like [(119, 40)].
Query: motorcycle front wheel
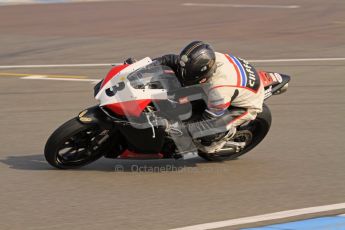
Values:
[(75, 144)]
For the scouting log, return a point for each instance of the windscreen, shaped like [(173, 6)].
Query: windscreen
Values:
[(154, 76)]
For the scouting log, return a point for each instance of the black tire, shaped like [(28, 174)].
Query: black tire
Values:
[(260, 127), (63, 138)]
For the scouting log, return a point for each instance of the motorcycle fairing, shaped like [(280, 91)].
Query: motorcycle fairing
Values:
[(118, 95)]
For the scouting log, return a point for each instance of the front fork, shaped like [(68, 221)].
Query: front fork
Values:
[(94, 115)]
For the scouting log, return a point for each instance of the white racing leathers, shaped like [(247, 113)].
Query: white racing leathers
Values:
[(235, 83)]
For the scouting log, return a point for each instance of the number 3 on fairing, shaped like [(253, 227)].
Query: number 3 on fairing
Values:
[(114, 89)]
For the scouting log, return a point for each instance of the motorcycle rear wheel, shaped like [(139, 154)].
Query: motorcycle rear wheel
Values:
[(259, 129)]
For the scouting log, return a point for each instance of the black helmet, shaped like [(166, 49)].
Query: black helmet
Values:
[(196, 61)]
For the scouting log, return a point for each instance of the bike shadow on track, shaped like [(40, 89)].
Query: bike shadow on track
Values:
[(38, 162)]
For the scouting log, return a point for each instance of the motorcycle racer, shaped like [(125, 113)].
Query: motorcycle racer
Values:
[(143, 111), (233, 89)]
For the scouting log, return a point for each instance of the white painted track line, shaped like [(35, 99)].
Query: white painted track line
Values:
[(29, 2), (265, 217), (57, 65), (298, 60), (113, 64), (241, 5), (42, 77)]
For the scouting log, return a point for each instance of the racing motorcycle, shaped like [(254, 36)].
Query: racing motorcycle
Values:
[(135, 102)]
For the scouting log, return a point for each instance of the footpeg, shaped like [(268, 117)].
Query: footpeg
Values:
[(238, 146)]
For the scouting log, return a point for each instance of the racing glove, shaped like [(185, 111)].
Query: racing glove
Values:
[(130, 61)]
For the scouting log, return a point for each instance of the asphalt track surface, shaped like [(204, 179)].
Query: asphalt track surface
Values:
[(300, 163)]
